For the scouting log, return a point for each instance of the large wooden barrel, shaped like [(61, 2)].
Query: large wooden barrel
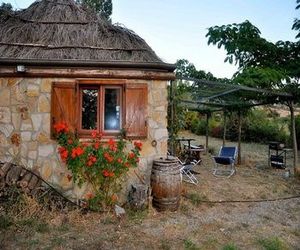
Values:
[(166, 184)]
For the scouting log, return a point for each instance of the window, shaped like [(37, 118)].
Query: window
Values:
[(106, 108), (100, 108)]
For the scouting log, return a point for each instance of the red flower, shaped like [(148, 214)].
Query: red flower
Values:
[(63, 153), (77, 152), (89, 195), (127, 165), (138, 145), (112, 145), (119, 160), (61, 127), (107, 173), (94, 134), (96, 145), (131, 155), (108, 157), (91, 160), (70, 141)]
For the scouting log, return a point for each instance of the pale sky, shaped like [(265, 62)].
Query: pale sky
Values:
[(176, 29)]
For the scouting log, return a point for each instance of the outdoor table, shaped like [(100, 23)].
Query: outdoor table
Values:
[(188, 140), (195, 150)]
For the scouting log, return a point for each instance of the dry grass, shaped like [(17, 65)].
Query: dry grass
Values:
[(196, 225)]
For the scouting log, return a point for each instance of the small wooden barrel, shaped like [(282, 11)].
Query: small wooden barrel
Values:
[(166, 184)]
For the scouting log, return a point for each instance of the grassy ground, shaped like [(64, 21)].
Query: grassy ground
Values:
[(196, 225)]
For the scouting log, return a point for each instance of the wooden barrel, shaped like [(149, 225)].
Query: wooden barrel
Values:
[(166, 184)]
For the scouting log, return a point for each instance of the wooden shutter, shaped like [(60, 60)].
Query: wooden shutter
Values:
[(64, 104), (136, 100)]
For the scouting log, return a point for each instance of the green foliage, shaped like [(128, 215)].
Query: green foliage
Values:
[(257, 126), (247, 48), (196, 198), (137, 215), (103, 7), (5, 222), (189, 118), (272, 244), (259, 77), (198, 126), (42, 227), (184, 68), (189, 245), (230, 246), (6, 7), (262, 64), (99, 164), (296, 25)]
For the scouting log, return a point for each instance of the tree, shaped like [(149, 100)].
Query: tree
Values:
[(262, 64), (7, 7), (102, 7), (296, 25)]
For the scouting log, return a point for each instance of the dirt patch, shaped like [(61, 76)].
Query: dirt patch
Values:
[(197, 224)]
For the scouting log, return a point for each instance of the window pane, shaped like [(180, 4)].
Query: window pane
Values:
[(112, 109), (89, 108)]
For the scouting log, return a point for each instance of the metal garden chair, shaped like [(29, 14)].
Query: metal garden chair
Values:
[(224, 162)]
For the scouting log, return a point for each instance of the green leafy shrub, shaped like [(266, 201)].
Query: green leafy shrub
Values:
[(97, 163), (272, 244), (190, 118), (230, 246)]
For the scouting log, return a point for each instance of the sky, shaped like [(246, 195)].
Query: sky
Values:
[(176, 29)]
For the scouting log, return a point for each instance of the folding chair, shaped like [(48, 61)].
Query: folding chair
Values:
[(224, 162), (187, 171)]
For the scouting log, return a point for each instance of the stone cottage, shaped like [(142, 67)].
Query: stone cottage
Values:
[(59, 61)]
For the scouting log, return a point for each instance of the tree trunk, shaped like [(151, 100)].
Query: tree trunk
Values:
[(224, 129), (293, 134), (239, 137)]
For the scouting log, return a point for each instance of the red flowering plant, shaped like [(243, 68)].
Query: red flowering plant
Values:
[(101, 164)]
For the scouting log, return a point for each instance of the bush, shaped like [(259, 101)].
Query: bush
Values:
[(190, 118), (97, 163), (257, 126)]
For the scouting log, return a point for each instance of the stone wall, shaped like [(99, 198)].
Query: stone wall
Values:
[(25, 130)]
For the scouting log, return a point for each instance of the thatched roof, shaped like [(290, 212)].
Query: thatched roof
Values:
[(62, 30)]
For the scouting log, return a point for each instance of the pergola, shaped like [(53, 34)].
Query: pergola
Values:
[(210, 96)]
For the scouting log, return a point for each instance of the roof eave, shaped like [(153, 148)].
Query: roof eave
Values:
[(88, 63)]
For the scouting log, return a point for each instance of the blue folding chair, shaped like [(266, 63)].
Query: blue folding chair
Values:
[(224, 162)]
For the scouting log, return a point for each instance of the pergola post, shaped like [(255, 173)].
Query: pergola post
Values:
[(207, 131), (239, 136), (224, 127), (293, 134)]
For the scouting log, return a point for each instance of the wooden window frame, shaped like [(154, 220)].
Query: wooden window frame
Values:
[(133, 100), (100, 86)]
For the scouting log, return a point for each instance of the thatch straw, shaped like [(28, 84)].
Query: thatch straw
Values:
[(61, 29)]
